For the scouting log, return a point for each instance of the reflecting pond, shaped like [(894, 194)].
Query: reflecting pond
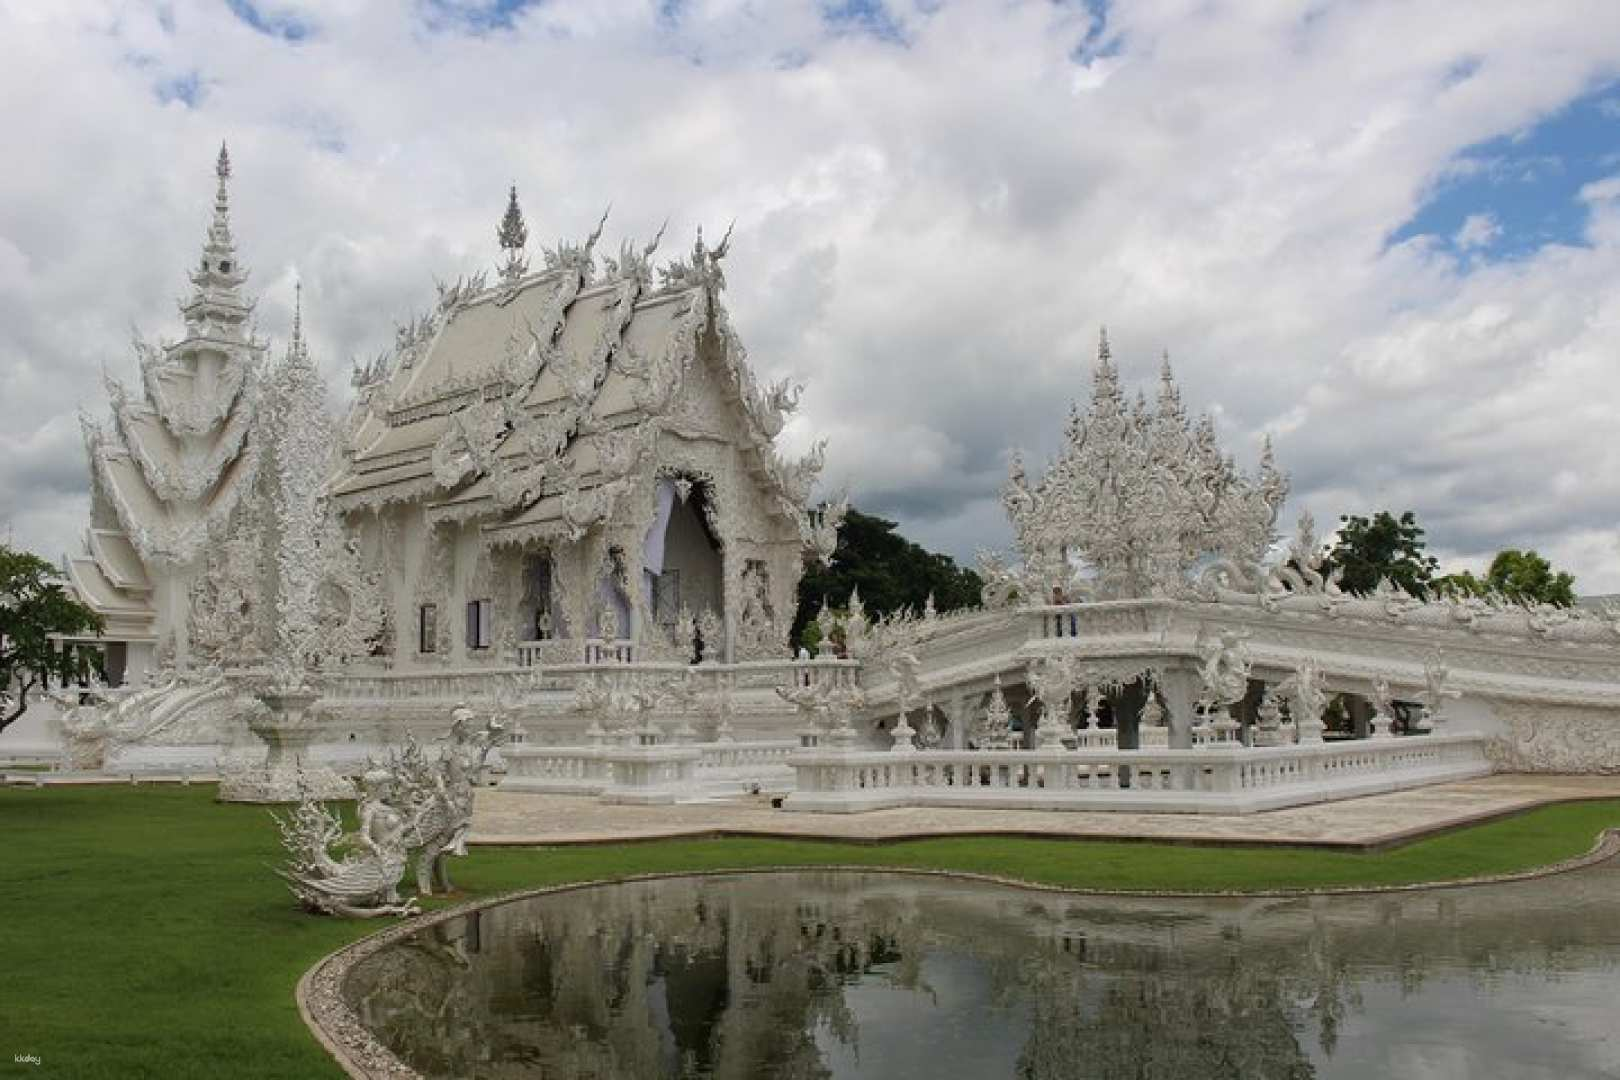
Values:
[(844, 974)]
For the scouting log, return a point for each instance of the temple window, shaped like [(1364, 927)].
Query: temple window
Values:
[(427, 628), (537, 596), (480, 624)]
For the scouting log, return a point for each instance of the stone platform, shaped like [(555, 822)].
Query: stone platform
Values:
[(1375, 821)]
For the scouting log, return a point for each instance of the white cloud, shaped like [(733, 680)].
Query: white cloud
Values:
[(1477, 231), (1605, 190), (928, 233)]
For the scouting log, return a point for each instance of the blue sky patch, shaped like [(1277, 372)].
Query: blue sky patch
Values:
[(1097, 42), (186, 89), (863, 17), (475, 16), (279, 24), (1510, 196)]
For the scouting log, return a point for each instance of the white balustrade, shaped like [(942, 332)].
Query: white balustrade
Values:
[(660, 772), (559, 770), (766, 753), (1221, 780)]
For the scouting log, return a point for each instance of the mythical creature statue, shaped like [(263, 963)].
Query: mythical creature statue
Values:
[(88, 729), (1268, 722), (409, 802), (993, 729), (857, 628), (711, 632), (1224, 668), (364, 883), (1307, 700), (1435, 692), (930, 735), (1383, 702), (820, 528), (441, 794), (812, 701), (1300, 572), (904, 668), (1052, 682)]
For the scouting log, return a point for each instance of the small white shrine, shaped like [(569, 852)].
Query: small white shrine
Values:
[(557, 500)]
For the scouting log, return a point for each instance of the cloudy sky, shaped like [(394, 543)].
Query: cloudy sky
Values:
[(1386, 232)]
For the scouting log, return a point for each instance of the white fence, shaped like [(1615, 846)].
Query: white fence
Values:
[(663, 773), (1213, 780)]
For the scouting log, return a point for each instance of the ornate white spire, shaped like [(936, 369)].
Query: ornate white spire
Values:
[(513, 235), (1105, 355), (297, 347), (1169, 392), (1143, 497), (302, 443), (216, 307)]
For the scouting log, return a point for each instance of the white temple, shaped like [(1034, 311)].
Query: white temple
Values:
[(557, 498)]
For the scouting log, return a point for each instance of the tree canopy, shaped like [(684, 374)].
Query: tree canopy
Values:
[(1383, 546), (33, 607), (891, 572), (1520, 576)]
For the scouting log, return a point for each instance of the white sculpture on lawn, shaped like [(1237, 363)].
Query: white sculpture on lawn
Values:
[(409, 803), (364, 882)]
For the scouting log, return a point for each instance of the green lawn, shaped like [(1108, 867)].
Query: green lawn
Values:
[(144, 935)]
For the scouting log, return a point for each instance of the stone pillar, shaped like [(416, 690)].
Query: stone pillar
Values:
[(1361, 714), (958, 714), (1179, 687), (1127, 706)]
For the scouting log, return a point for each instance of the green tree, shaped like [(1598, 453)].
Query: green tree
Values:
[(892, 573), (1528, 578), (1523, 577), (33, 607), (1462, 583), (1383, 546)]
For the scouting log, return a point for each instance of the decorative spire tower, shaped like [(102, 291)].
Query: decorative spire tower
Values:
[(513, 235), (180, 455), (216, 308)]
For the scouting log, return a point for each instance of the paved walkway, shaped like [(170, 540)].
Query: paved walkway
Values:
[(514, 818)]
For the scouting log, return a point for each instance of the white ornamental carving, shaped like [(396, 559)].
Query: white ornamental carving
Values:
[(1140, 496)]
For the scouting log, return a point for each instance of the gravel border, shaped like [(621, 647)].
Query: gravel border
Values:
[(334, 1024)]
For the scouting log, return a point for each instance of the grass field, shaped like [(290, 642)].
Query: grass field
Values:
[(143, 934)]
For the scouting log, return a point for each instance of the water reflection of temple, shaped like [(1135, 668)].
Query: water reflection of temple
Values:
[(770, 975)]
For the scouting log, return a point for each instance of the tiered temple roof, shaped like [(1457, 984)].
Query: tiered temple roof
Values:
[(527, 404)]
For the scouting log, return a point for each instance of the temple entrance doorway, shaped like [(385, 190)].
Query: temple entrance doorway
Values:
[(682, 557)]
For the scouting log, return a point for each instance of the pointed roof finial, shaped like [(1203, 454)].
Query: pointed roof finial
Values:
[(298, 316), (512, 232), (513, 235), (220, 231), (1169, 393), (217, 301), (1105, 379)]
